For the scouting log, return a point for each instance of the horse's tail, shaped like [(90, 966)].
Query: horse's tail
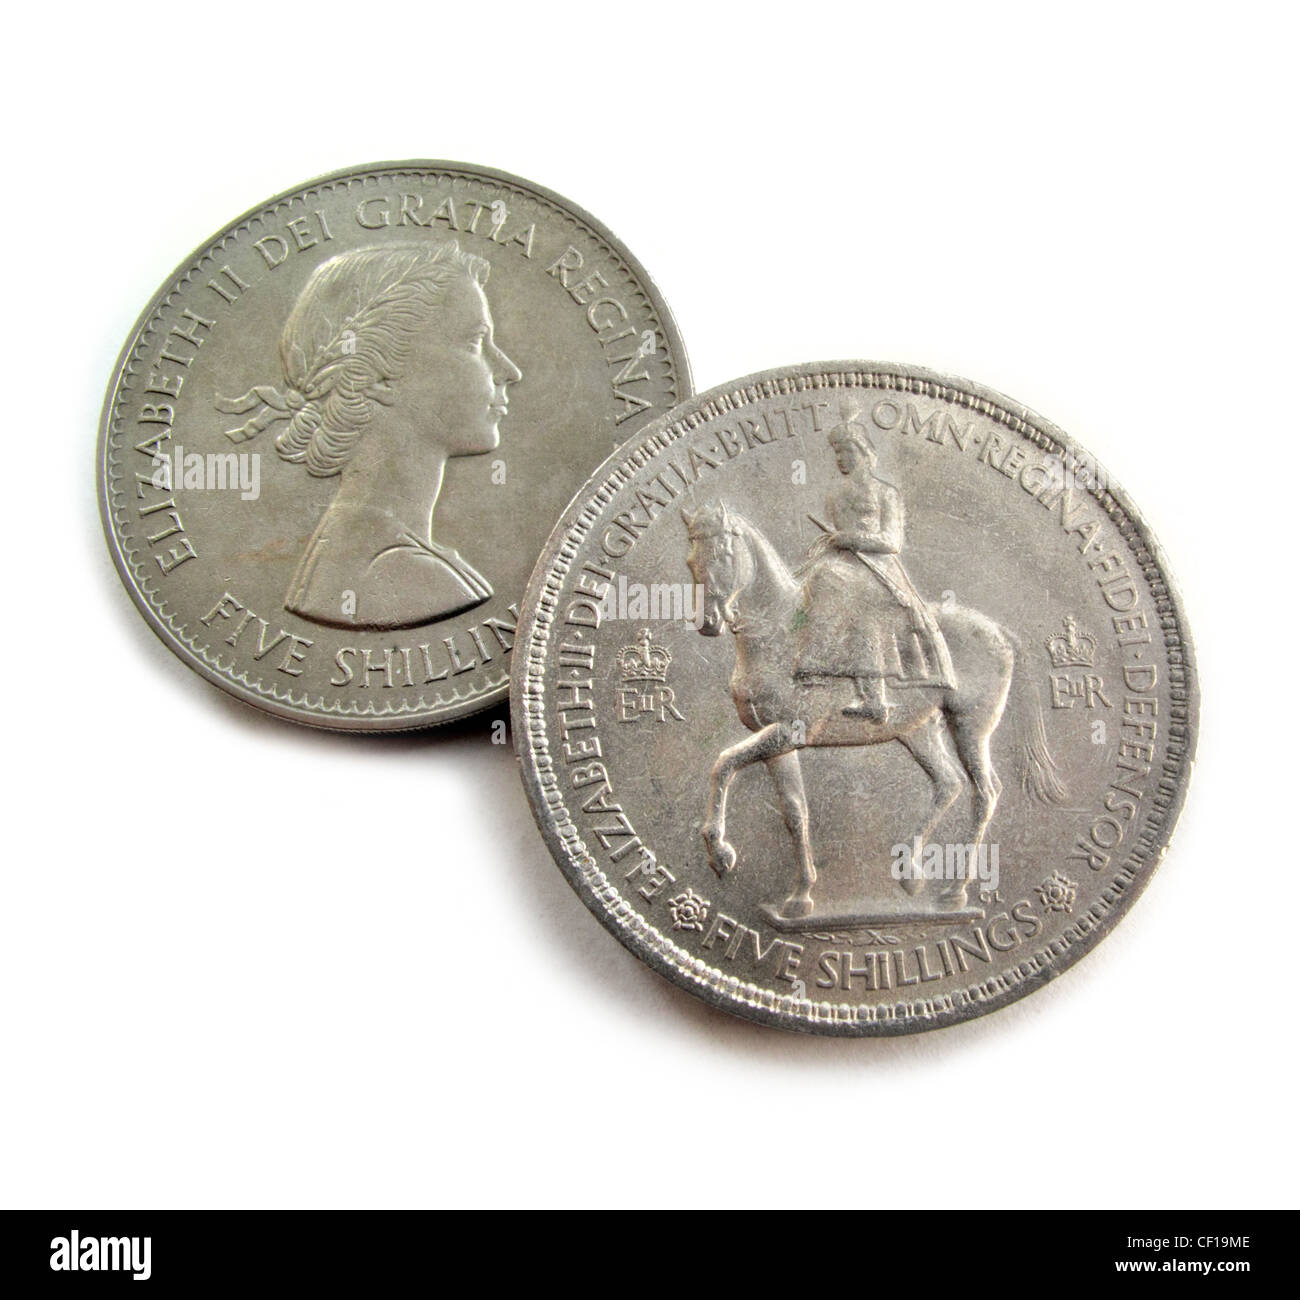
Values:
[(1039, 775)]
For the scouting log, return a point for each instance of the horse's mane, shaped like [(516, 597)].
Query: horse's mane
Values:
[(757, 542)]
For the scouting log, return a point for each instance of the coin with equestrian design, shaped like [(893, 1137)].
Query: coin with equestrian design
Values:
[(854, 698), (337, 437)]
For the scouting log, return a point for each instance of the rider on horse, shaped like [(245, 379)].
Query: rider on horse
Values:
[(863, 618)]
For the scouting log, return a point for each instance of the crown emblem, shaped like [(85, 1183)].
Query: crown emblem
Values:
[(644, 662), (1074, 649)]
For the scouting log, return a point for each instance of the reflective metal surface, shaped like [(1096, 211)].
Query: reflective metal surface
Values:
[(336, 439), (854, 698)]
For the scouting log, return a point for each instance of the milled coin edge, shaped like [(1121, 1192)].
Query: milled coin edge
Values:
[(757, 1004), (306, 715)]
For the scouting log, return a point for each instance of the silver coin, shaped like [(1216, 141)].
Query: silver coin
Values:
[(337, 437), (854, 698)]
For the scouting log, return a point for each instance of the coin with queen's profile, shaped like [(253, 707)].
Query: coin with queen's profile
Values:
[(335, 438)]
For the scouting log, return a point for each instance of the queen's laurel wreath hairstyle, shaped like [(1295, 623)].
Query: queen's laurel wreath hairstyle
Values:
[(346, 338)]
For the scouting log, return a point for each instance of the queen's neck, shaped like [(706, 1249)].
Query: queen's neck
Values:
[(396, 476)]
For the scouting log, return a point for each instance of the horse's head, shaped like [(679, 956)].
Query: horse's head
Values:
[(717, 560)]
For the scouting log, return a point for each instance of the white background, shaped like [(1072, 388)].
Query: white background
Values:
[(219, 986)]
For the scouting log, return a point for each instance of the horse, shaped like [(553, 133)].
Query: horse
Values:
[(745, 587)]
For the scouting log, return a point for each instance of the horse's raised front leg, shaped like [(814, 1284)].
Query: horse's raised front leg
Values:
[(930, 749), (787, 777), (773, 740)]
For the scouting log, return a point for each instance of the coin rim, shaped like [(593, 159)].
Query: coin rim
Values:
[(523, 676), (305, 716)]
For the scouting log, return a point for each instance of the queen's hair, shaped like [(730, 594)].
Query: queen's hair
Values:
[(347, 338)]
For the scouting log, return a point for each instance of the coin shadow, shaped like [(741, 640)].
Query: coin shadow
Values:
[(612, 973), (609, 971)]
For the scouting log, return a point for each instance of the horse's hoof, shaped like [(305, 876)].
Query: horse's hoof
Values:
[(793, 907), (722, 857), (912, 885)]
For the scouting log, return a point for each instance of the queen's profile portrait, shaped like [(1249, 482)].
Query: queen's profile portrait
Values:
[(390, 369)]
